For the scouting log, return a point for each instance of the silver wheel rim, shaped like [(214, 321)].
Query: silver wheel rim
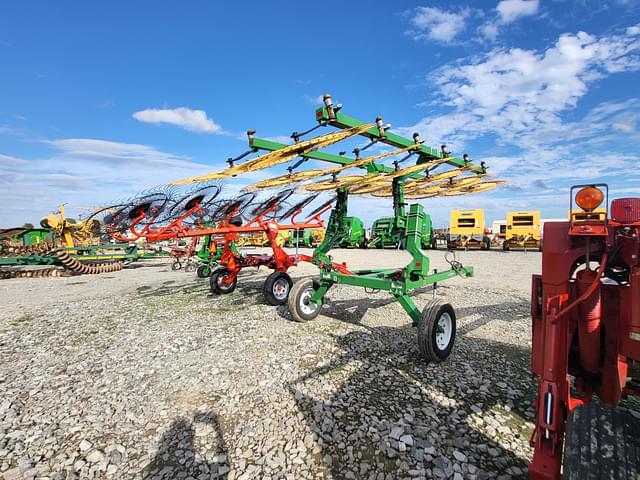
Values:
[(221, 278), (444, 331), (306, 306), (280, 289)]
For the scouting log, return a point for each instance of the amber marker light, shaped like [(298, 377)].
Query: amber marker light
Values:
[(589, 198)]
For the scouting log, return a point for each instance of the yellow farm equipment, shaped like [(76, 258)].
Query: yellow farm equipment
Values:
[(466, 230), (72, 233), (523, 231), (260, 239)]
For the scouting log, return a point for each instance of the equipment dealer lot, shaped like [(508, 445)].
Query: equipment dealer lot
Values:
[(146, 374)]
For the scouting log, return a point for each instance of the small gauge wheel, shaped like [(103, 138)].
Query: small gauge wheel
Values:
[(277, 287), (216, 281)]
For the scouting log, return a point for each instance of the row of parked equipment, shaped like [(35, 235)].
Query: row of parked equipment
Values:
[(519, 230)]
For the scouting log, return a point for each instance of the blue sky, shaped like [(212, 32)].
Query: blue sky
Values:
[(99, 101)]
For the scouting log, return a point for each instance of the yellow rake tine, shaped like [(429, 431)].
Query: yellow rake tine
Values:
[(282, 155)]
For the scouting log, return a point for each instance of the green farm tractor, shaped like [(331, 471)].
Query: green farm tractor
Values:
[(306, 237), (391, 232), (357, 235)]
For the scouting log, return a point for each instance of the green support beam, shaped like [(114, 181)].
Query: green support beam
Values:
[(428, 153)]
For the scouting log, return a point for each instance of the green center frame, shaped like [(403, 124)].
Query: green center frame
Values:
[(399, 282)]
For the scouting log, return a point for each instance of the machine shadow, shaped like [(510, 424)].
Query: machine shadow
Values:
[(177, 454), (394, 414)]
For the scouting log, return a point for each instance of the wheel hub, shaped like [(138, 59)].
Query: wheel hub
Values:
[(306, 305), (444, 331), (280, 289)]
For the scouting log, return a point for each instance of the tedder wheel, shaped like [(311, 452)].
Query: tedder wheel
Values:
[(276, 288), (176, 266), (216, 279), (436, 331), (190, 267), (601, 442), (302, 310), (203, 271)]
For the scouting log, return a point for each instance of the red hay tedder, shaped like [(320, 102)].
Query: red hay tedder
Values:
[(586, 342), (266, 217)]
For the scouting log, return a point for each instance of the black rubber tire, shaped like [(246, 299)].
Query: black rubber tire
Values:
[(434, 244), (505, 246), (432, 313), (601, 442), (176, 266), (300, 291), (362, 243), (203, 271), (214, 282), (276, 288), (190, 267)]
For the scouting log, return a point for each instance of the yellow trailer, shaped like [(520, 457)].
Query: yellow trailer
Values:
[(466, 230), (523, 230)]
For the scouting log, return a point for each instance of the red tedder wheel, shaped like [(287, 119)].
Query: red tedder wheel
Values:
[(277, 287), (218, 284)]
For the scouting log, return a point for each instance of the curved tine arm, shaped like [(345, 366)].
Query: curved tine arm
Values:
[(317, 216), (120, 238), (178, 221), (295, 214), (132, 228), (259, 219)]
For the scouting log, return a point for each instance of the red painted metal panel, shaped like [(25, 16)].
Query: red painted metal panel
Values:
[(625, 210)]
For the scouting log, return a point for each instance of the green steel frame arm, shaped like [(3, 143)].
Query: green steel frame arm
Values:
[(428, 153)]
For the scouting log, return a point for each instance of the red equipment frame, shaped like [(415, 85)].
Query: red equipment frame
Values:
[(583, 327), (279, 260)]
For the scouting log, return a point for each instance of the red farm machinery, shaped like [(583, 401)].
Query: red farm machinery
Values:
[(586, 342), (159, 216)]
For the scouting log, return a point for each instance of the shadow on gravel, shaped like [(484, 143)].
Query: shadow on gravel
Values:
[(491, 312), (147, 291), (353, 311), (135, 265), (392, 412), (177, 455)]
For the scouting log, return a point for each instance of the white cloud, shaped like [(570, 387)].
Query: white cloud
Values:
[(489, 31), (508, 11), (315, 101), (193, 120), (438, 25), (511, 10), (518, 92), (8, 161), (87, 172), (520, 98)]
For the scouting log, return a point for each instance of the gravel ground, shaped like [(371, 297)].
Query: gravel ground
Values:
[(144, 374)]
